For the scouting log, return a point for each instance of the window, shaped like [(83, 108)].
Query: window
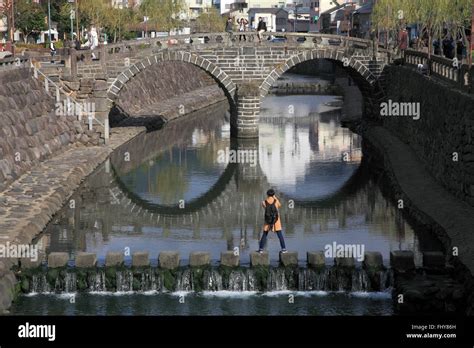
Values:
[(198, 2), (280, 21)]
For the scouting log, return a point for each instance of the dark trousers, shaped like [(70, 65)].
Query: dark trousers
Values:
[(263, 241)]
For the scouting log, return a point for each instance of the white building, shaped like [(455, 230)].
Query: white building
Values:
[(242, 6), (193, 8)]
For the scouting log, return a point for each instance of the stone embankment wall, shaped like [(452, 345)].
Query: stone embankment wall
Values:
[(442, 137), (167, 91), (7, 287), (30, 130)]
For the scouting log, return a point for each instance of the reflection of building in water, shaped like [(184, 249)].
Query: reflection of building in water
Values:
[(314, 136), (293, 146)]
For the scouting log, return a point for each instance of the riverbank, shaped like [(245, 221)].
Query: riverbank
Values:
[(429, 204), (30, 202), (425, 200)]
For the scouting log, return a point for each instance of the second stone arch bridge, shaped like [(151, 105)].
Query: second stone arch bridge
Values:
[(245, 70)]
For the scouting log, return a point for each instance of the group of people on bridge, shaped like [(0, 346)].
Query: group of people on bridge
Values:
[(243, 26)]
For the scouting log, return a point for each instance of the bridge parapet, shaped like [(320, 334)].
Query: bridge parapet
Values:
[(450, 71)]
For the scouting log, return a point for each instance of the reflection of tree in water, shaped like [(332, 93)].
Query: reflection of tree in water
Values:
[(207, 154), (170, 183)]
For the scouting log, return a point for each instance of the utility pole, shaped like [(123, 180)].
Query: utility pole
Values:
[(12, 26), (49, 21), (78, 34)]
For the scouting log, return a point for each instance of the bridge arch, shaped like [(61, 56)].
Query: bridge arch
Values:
[(366, 80), (224, 81)]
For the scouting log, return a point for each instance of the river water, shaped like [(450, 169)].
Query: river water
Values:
[(174, 189)]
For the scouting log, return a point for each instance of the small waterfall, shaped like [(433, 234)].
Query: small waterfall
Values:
[(184, 280), (70, 283), (250, 282), (96, 281), (278, 281), (313, 279), (212, 279), (360, 280), (124, 280), (237, 281), (39, 284), (148, 281)]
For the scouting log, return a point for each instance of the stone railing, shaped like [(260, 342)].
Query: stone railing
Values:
[(13, 63), (206, 40), (448, 70)]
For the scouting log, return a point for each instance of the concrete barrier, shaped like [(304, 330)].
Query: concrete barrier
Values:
[(259, 259), (86, 260), (348, 262), (316, 259), (289, 259), (434, 260), (372, 260), (169, 259), (402, 260), (199, 259), (113, 259), (229, 259), (29, 263), (58, 259), (140, 259)]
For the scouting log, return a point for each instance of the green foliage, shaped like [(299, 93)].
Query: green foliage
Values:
[(162, 14), (432, 16), (169, 279), (29, 18), (210, 21)]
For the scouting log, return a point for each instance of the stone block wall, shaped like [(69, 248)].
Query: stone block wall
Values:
[(7, 287), (443, 137), (162, 82), (30, 130)]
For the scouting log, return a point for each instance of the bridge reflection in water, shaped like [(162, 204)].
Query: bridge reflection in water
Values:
[(132, 201)]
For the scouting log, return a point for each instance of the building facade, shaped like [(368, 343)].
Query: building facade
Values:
[(240, 7), (193, 8)]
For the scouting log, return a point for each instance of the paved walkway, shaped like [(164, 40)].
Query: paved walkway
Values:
[(30, 202), (428, 197)]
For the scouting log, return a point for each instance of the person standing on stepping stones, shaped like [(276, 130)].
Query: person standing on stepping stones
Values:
[(272, 220)]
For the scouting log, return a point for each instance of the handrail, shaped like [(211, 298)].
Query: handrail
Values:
[(59, 90), (448, 70)]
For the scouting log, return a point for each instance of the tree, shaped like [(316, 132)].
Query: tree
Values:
[(210, 21), (117, 20), (6, 12), (29, 18), (434, 18), (162, 14), (94, 12)]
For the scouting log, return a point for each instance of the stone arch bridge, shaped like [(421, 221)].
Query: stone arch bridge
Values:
[(245, 70)]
